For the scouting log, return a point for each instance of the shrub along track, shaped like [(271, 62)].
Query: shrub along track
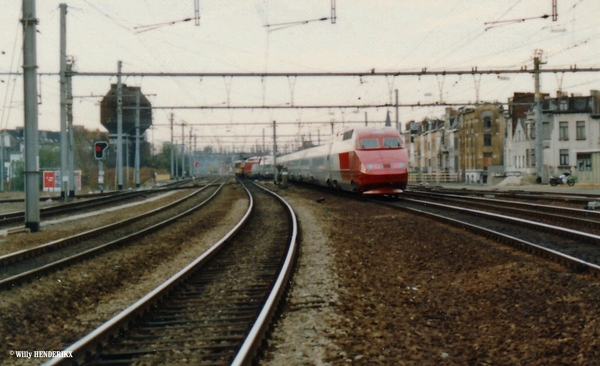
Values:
[(55, 311)]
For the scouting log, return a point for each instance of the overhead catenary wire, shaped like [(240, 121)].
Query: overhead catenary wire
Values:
[(146, 28), (279, 26)]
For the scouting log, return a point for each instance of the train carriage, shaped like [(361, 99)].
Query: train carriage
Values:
[(372, 161)]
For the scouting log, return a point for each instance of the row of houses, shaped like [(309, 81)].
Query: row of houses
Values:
[(485, 143)]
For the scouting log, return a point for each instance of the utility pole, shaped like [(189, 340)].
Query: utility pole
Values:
[(397, 113), (63, 102), (274, 153), (71, 152), (195, 154), (119, 128), (176, 164), (191, 165), (172, 157), (137, 138), (182, 150), (32, 193), (539, 151)]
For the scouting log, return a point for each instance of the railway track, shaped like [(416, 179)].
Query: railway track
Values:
[(86, 202), (577, 250), (28, 264), (566, 217), (543, 197), (564, 238), (214, 311)]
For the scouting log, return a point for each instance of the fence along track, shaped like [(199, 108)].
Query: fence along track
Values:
[(218, 305)]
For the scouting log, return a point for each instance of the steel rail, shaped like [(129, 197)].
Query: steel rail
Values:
[(15, 216), (259, 329), (27, 253), (253, 336), (83, 348), (89, 201), (561, 258), (573, 215), (522, 194), (590, 238)]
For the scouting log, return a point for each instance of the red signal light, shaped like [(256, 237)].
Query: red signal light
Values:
[(99, 148)]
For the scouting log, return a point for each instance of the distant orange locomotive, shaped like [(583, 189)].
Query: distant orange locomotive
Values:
[(372, 161), (239, 168)]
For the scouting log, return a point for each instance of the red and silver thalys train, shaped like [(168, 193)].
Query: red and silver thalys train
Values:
[(248, 164), (372, 161)]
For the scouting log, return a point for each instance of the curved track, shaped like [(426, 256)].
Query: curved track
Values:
[(31, 263), (217, 309), (84, 202)]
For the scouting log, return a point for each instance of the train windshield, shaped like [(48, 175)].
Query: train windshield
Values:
[(369, 143), (391, 143), (383, 143)]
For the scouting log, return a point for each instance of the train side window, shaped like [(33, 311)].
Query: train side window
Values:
[(391, 142), (369, 143), (348, 135)]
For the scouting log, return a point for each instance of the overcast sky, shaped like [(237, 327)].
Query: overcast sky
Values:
[(386, 35)]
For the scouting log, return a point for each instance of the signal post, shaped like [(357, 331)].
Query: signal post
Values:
[(99, 148)]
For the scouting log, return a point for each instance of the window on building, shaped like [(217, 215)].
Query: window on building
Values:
[(564, 105), (563, 131), (487, 139), (584, 162), (530, 157), (564, 157), (546, 130), (487, 123), (580, 130)]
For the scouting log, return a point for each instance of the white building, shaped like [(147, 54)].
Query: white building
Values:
[(570, 134)]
